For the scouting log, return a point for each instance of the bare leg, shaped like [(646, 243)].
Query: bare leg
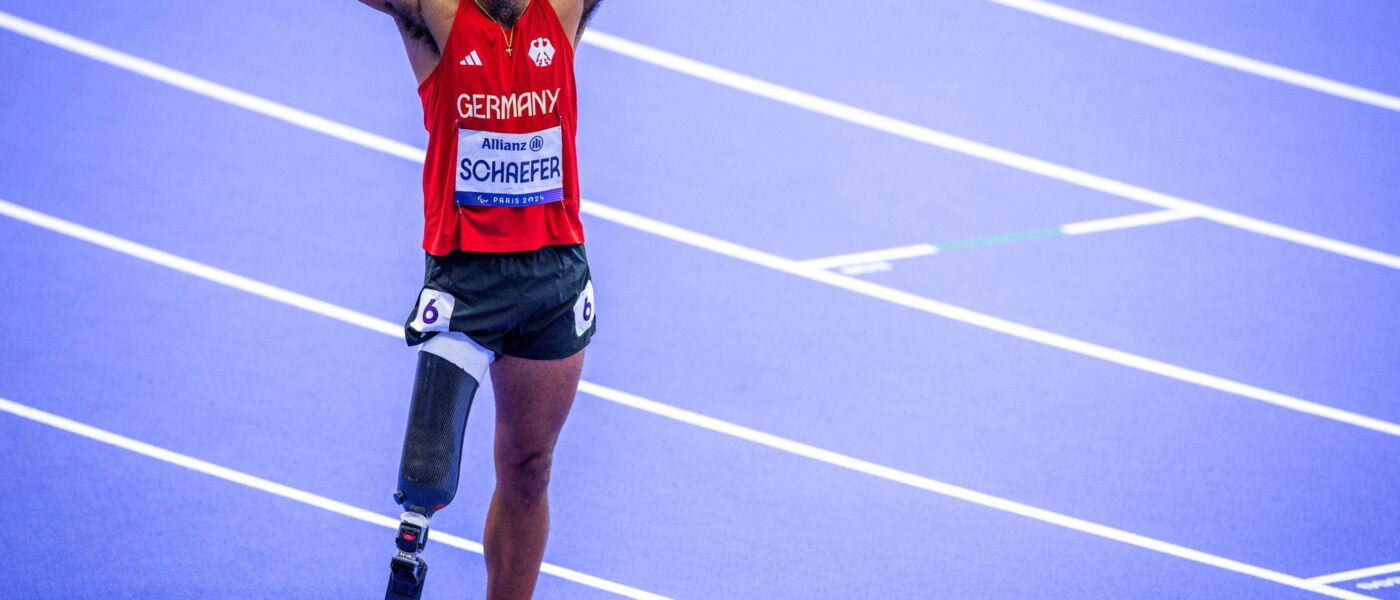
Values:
[(533, 398)]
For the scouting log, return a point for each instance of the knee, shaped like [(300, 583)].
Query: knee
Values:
[(526, 479)]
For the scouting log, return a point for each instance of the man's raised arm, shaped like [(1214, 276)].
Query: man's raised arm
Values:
[(588, 7), (379, 5), (423, 25), (574, 15)]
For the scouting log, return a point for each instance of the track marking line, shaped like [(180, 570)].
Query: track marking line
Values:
[(1376, 584), (1202, 52), (873, 256), (1357, 574), (209, 89), (197, 269), (732, 250), (604, 393), (953, 491), (722, 77), (997, 240), (1125, 222), (860, 263), (932, 137), (970, 317), (728, 79), (291, 493), (887, 294), (866, 269)]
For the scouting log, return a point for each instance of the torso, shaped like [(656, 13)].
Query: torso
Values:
[(501, 172)]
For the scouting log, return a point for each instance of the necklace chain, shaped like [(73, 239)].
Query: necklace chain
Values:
[(508, 34)]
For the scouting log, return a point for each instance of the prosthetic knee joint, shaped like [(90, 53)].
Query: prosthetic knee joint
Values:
[(450, 368)]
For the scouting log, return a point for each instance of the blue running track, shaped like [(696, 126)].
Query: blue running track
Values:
[(201, 395)]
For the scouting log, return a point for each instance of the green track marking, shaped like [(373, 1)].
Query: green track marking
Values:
[(999, 239)]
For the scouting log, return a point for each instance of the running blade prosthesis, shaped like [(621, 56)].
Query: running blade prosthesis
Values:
[(407, 570)]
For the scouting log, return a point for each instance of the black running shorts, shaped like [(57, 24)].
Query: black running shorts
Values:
[(536, 305)]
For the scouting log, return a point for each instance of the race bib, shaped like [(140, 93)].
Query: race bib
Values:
[(509, 169), (434, 311), (584, 309)]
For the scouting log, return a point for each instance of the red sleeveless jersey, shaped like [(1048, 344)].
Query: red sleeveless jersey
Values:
[(501, 112)]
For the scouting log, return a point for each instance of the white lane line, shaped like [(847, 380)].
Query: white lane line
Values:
[(1202, 52), (714, 74), (200, 270), (784, 265), (1357, 574), (720, 76), (1378, 584), (895, 296), (670, 412), (957, 313), (209, 89), (954, 491), (864, 262), (733, 250), (1125, 222), (873, 256), (867, 268), (919, 133), (291, 493)]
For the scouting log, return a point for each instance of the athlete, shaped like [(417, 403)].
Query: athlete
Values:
[(507, 286)]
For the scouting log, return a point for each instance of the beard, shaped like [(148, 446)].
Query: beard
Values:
[(506, 12)]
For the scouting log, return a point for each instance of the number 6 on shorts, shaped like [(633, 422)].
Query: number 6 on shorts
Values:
[(434, 311)]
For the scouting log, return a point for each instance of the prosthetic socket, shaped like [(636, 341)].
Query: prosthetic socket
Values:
[(432, 453), (432, 446)]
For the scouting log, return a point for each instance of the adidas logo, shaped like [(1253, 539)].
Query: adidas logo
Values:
[(472, 60)]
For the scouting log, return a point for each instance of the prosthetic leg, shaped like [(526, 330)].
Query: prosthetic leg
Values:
[(450, 368)]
